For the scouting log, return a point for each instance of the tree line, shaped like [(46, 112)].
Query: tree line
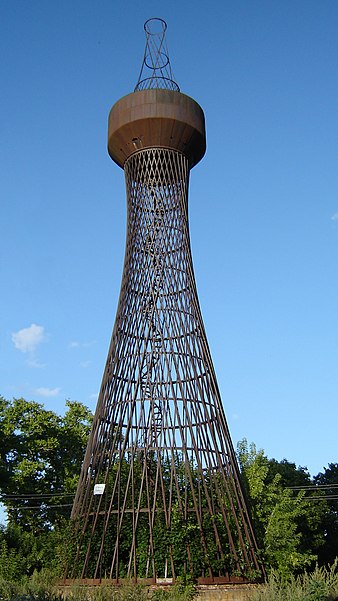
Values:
[(295, 516)]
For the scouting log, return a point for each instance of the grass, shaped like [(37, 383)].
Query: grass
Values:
[(43, 587), (319, 585)]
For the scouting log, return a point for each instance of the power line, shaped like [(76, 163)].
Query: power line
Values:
[(324, 498), (12, 497), (312, 487), (44, 507)]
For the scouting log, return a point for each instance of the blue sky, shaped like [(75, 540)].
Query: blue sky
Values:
[(263, 203)]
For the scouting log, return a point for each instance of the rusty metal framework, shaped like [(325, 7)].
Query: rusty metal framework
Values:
[(172, 500), (160, 493), (156, 70)]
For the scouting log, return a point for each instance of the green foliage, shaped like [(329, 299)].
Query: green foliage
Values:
[(22, 553), (40, 458), (184, 544), (125, 592), (282, 536), (182, 590), (330, 521), (288, 526), (12, 563), (43, 587), (320, 585), (39, 587)]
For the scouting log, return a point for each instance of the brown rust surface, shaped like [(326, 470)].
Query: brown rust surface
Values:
[(156, 118)]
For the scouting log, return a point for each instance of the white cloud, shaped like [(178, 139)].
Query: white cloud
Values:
[(47, 392), (27, 339), (33, 362), (335, 217), (89, 344), (77, 344), (85, 364)]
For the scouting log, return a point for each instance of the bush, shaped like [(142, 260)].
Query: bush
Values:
[(320, 585), (183, 590), (42, 587)]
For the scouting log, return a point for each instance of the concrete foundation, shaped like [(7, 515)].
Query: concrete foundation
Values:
[(237, 592), (225, 592)]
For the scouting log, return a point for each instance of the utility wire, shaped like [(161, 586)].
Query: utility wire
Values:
[(13, 497), (312, 487), (324, 498), (44, 507)]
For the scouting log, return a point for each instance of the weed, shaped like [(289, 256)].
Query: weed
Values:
[(319, 585)]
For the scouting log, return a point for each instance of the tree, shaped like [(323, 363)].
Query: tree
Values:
[(40, 459), (41, 455), (290, 475), (298, 481), (287, 524), (329, 479)]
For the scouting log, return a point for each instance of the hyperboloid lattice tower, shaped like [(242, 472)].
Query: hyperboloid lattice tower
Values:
[(160, 492)]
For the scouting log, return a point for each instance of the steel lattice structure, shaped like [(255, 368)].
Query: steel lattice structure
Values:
[(160, 491), (156, 68)]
